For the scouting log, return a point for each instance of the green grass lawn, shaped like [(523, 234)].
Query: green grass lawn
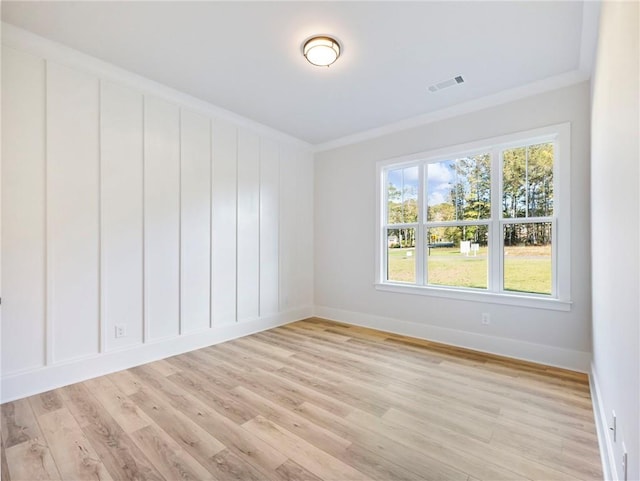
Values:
[(402, 267), (527, 269)]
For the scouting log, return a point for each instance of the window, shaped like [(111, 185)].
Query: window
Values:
[(482, 221)]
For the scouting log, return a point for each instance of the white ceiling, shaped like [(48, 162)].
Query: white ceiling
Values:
[(245, 56)]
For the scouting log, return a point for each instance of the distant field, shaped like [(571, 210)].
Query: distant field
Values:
[(527, 269)]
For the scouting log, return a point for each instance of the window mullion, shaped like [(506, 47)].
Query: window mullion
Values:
[(420, 248), (495, 236)]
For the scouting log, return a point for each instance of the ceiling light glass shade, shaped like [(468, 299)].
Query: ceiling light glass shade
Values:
[(321, 51)]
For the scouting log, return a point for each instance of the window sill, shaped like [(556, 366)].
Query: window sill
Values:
[(478, 296)]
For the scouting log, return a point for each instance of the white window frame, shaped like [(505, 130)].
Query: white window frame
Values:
[(560, 298)]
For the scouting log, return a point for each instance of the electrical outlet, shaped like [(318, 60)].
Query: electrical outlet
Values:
[(624, 463), (121, 330), (614, 427), (486, 318)]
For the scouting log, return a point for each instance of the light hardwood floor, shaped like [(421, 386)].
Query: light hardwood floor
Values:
[(313, 400)]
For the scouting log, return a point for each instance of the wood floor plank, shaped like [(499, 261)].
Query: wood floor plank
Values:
[(202, 364), (548, 454), (319, 331), (74, 455), (313, 400), (206, 449), (417, 461), (126, 381), (167, 456), (19, 424), (230, 466), (518, 389), (279, 389), (415, 431), (268, 350), (363, 460), (219, 399), (4, 466), (379, 468), (191, 437), (165, 368), (292, 471), (351, 394), (124, 411), (31, 461), (242, 443), (458, 398), (46, 402), (242, 357), (306, 454), (318, 436), (118, 452)]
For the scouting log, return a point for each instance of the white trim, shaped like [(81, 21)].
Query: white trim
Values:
[(102, 270), (26, 41), (180, 253), (48, 237), (529, 90), (421, 230), (495, 270), (562, 211), (512, 139), (34, 381), (527, 351), (381, 198), (602, 428), (478, 295)]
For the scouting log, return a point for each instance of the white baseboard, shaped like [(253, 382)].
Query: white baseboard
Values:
[(27, 383), (549, 355), (602, 428)]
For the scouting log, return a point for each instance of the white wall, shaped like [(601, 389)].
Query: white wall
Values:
[(124, 206), (614, 215), (345, 239)]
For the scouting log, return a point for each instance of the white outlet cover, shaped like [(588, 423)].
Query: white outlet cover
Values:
[(121, 330)]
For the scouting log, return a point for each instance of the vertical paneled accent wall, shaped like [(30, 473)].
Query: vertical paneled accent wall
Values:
[(135, 227), (195, 221), (224, 225), (248, 225), (161, 218), (73, 213), (269, 226), (23, 228), (122, 230)]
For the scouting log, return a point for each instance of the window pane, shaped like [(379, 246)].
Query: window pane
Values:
[(527, 181), (458, 256), (401, 255), (540, 180), (527, 258), (402, 195), (459, 189)]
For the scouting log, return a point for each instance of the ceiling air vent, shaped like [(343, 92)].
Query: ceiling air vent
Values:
[(446, 83)]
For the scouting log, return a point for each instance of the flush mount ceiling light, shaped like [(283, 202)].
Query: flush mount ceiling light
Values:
[(321, 51)]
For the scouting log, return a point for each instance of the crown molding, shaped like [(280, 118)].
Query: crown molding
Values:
[(551, 83), (23, 40)]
